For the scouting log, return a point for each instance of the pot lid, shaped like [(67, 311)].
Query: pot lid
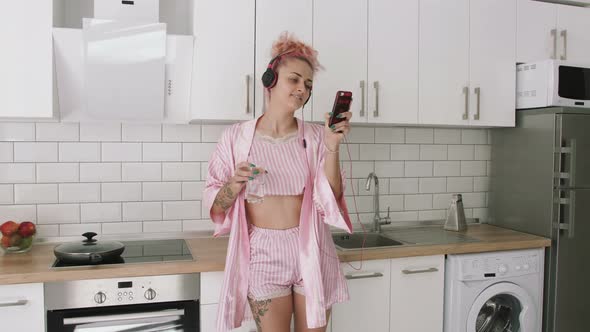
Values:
[(89, 246)]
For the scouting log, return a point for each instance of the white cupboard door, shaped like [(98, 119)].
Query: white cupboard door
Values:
[(393, 61), (209, 320), (536, 31), (22, 307), (340, 36), (417, 291), (272, 18), (573, 24), (223, 65), (368, 307), (26, 69), (444, 62), (492, 62)]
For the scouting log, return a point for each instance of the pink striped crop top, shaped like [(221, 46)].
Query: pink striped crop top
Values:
[(284, 161)]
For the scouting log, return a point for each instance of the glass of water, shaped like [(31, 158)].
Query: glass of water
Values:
[(255, 189)]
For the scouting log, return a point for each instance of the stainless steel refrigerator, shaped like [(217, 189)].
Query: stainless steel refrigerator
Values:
[(540, 184)]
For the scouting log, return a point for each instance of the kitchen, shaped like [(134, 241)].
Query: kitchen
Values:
[(72, 165)]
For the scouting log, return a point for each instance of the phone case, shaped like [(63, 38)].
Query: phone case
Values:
[(341, 105)]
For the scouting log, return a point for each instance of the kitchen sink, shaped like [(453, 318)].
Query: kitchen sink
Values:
[(354, 241)]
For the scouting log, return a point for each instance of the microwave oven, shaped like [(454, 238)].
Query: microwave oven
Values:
[(552, 83)]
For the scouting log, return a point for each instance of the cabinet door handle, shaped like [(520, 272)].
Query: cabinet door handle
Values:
[(478, 95), (432, 269), (466, 113), (363, 276), (564, 35), (376, 86), (362, 112), (14, 303), (554, 35), (247, 94)]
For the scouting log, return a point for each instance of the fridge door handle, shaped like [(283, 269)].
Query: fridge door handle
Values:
[(572, 214)]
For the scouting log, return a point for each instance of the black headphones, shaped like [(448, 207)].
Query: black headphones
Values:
[(270, 76)]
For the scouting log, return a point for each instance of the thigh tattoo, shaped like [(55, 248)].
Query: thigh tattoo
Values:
[(259, 308)]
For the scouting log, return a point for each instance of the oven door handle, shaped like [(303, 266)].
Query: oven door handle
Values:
[(110, 318)]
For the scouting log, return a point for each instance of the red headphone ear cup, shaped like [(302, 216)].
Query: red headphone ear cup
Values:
[(269, 78)]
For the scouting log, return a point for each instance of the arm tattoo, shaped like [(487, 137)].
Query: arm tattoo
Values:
[(259, 308), (225, 198)]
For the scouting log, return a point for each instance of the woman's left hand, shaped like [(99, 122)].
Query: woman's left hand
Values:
[(333, 136)]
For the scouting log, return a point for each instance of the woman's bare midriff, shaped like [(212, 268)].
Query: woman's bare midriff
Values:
[(276, 212)]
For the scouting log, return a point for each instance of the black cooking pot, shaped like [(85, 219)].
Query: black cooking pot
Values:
[(89, 251)]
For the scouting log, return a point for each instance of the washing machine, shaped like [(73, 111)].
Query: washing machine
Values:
[(499, 291)]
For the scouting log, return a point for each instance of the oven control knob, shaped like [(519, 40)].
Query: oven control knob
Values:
[(150, 294), (100, 297)]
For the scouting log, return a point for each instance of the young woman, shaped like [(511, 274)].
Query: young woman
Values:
[(281, 258)]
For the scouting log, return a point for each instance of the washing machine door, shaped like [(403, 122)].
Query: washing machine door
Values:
[(503, 307)]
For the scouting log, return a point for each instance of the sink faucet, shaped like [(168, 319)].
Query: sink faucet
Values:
[(377, 220)]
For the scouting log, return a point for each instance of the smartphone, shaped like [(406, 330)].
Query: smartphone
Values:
[(341, 105)]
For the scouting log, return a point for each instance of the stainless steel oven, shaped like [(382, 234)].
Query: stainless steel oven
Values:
[(152, 303)]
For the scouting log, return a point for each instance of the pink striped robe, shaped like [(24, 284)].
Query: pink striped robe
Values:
[(320, 268)]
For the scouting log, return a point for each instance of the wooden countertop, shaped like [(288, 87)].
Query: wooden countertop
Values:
[(209, 255)]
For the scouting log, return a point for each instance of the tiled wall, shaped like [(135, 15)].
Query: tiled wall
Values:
[(116, 178)]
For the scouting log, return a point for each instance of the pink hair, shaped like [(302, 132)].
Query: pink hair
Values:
[(292, 47)]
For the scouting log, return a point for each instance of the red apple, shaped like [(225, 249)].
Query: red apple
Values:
[(26, 229), (8, 228), (5, 242)]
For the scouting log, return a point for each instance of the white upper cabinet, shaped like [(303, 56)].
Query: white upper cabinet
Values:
[(27, 59), (392, 86), (272, 18), (340, 36), (444, 62), (552, 31), (22, 307), (492, 58), (223, 63)]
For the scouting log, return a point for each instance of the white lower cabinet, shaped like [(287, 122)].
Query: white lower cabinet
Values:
[(22, 308), (209, 317), (417, 294)]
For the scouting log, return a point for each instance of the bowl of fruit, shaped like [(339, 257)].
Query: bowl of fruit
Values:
[(17, 237)]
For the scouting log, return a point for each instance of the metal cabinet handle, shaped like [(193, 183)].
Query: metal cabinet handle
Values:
[(478, 95), (362, 112), (564, 35), (14, 303), (119, 317), (247, 94), (376, 86), (554, 35), (466, 113), (432, 269), (364, 276)]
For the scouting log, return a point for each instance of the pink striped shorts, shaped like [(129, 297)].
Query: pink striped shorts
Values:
[(274, 263)]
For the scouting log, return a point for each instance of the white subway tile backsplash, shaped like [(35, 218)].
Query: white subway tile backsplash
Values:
[(58, 213), (17, 173), (101, 212), (405, 152), (204, 170), (393, 202), (6, 152), (182, 210), (481, 214), (459, 184), (432, 215), (139, 211), (441, 201), (58, 132), (418, 202), (79, 192), (433, 152), (17, 131), (188, 133), (433, 185), (6, 194), (44, 231), (121, 152), (19, 212), (481, 183), (403, 186), (132, 132), (122, 228), (473, 168), (35, 193), (79, 152), (197, 151), (353, 149), (358, 169), (121, 192), (162, 152), (389, 169), (57, 172), (141, 172), (363, 203), (483, 152), (374, 152), (389, 135), (35, 152), (418, 168), (197, 225), (162, 191), (192, 190), (361, 135), (474, 136), (419, 135), (181, 171), (211, 132), (78, 229), (474, 200), (100, 132), (404, 216), (447, 136), (162, 226), (100, 172), (447, 168), (461, 152)]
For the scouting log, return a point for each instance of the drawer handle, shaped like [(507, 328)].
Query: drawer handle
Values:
[(432, 269), (363, 276), (14, 304)]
